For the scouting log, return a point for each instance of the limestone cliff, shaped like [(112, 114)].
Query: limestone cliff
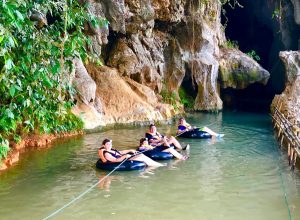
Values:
[(289, 19), (152, 46), (289, 99)]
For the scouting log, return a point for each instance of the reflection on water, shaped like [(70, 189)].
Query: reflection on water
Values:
[(242, 176), (105, 180)]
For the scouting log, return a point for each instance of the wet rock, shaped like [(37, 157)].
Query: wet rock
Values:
[(237, 70)]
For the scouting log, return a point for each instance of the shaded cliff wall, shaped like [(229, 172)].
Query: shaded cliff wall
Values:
[(268, 27)]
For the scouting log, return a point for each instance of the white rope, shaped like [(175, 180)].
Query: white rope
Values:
[(85, 192)]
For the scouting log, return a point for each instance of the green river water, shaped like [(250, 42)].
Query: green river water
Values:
[(241, 176)]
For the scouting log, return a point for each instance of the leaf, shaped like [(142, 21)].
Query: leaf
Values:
[(55, 68), (47, 82), (9, 113), (9, 12), (12, 91), (28, 102), (11, 41), (19, 15), (28, 122), (8, 64), (19, 82)]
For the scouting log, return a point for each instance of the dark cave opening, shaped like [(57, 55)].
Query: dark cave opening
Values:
[(249, 99), (254, 29), (187, 84), (112, 42)]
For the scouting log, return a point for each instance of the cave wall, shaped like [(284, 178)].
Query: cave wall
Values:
[(154, 45), (268, 28)]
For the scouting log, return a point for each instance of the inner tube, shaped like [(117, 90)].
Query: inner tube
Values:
[(158, 155), (195, 133), (126, 166)]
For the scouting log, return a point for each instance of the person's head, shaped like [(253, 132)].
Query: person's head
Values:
[(181, 120), (107, 144), (152, 128), (143, 141)]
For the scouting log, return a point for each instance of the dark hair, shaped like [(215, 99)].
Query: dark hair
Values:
[(105, 141), (181, 118), (151, 125), (143, 139)]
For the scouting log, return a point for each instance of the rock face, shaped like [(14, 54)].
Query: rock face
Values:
[(152, 47), (296, 5), (237, 70), (290, 106), (126, 101)]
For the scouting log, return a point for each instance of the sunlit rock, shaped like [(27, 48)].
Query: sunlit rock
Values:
[(126, 101), (140, 58)]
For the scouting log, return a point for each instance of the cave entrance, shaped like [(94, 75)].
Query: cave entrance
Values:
[(187, 90), (249, 99), (253, 29)]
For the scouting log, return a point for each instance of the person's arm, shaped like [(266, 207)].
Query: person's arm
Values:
[(179, 131), (127, 151), (155, 142), (188, 127), (110, 158)]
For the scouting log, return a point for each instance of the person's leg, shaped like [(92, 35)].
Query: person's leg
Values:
[(172, 140), (146, 160), (175, 153), (211, 132)]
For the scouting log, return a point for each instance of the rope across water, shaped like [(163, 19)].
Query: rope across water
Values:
[(83, 193)]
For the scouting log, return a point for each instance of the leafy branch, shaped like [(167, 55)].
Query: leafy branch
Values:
[(35, 59)]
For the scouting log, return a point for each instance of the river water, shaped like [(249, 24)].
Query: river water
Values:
[(244, 175)]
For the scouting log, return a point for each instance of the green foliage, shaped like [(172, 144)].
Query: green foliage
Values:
[(35, 59), (233, 4), (276, 14), (4, 148), (232, 44), (253, 55), (185, 99), (169, 97)]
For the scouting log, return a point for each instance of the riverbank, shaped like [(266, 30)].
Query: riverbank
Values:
[(32, 141), (46, 140)]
